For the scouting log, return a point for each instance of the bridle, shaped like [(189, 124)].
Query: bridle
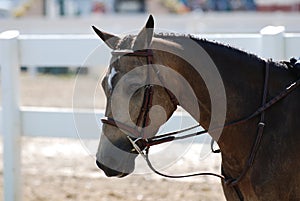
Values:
[(142, 145), (143, 117)]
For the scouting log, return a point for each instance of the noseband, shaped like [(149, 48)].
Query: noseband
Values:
[(142, 145)]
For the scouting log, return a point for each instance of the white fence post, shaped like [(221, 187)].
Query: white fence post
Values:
[(11, 121), (272, 44)]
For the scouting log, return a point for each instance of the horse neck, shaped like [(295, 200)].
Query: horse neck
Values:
[(208, 67), (241, 74), (242, 77), (188, 86)]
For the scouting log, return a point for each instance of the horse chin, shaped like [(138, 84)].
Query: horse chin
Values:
[(122, 175), (109, 172)]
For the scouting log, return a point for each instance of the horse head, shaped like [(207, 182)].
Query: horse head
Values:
[(135, 106)]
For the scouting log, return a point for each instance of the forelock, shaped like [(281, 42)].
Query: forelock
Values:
[(126, 42)]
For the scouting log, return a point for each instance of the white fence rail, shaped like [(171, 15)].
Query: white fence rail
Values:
[(210, 22), (71, 50)]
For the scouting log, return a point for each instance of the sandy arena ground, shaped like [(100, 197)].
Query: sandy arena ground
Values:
[(63, 169)]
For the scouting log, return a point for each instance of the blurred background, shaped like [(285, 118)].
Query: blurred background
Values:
[(63, 168), (56, 8)]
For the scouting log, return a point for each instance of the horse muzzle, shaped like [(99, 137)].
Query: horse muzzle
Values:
[(110, 172)]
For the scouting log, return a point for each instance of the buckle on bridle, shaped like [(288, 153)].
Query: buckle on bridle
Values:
[(261, 124), (136, 147)]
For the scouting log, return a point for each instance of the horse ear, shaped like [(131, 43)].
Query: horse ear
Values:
[(144, 37), (109, 39)]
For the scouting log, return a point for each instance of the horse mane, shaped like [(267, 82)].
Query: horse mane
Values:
[(281, 65), (201, 40), (125, 41), (171, 36)]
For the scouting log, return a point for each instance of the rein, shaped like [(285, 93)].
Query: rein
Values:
[(142, 145)]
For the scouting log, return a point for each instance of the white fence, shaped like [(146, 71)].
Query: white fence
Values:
[(71, 50), (210, 22)]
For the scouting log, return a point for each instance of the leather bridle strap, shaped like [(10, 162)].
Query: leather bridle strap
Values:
[(260, 131), (143, 119), (148, 53), (132, 131)]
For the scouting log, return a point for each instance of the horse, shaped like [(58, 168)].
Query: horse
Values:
[(249, 105)]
